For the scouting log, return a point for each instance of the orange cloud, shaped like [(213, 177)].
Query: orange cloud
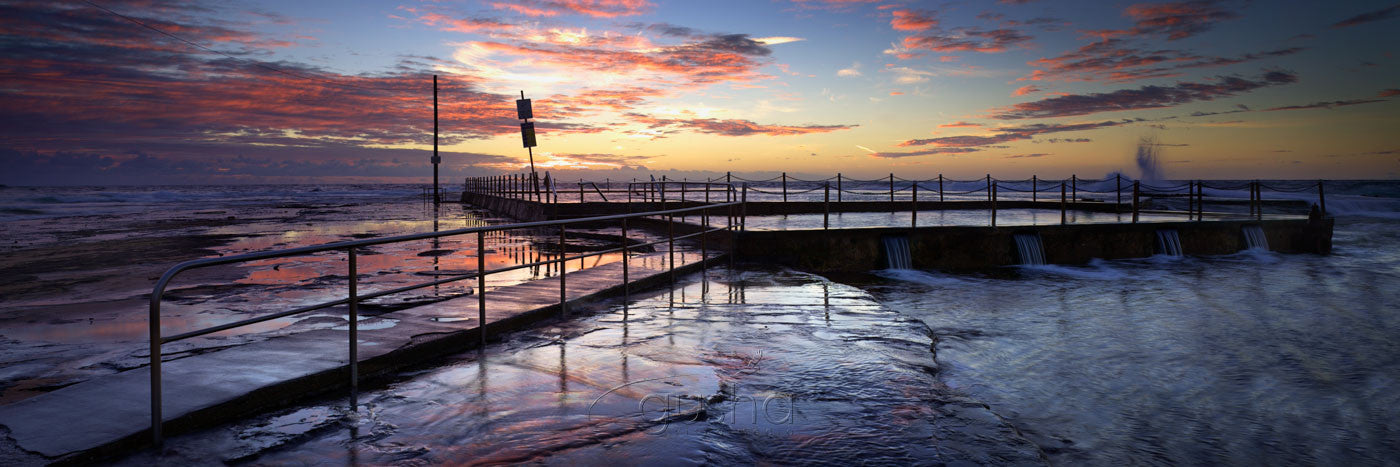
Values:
[(1023, 90), (910, 20), (594, 8), (960, 125)]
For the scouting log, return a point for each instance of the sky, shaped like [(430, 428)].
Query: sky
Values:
[(108, 92)]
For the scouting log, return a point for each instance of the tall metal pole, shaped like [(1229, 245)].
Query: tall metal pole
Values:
[(481, 285), (437, 198)]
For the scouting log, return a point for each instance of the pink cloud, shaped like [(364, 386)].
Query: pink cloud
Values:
[(1023, 90), (594, 8), (911, 20)]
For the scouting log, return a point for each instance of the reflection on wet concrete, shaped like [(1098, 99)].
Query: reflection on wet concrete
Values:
[(60, 335), (757, 366)]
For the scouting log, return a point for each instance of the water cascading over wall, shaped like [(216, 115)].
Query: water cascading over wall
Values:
[(1029, 249), (897, 252), (1254, 237), (1168, 242)]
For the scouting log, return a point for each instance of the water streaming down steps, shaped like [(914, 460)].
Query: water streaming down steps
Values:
[(1254, 237), (1029, 249), (1168, 242), (897, 252)]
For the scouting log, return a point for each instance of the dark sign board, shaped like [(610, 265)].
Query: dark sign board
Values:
[(522, 108), (527, 134)]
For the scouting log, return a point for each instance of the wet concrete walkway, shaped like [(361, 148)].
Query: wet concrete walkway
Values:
[(109, 414)]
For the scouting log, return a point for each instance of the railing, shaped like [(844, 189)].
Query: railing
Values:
[(353, 297), (1127, 195)]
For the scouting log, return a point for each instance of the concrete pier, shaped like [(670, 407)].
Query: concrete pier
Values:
[(108, 415)]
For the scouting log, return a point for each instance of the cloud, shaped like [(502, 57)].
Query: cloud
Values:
[(960, 125), (1114, 60), (1069, 140), (1389, 92), (1022, 156), (1383, 13), (906, 75), (1146, 97), (732, 127), (594, 8), (912, 20), (1023, 90), (1176, 20), (852, 71), (1326, 105), (968, 40), (1008, 134), (923, 152)]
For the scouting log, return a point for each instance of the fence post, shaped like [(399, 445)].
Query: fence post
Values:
[(728, 177), (683, 190), (580, 191), (826, 207), (994, 203), (784, 187), (838, 187), (481, 285), (1062, 202), (989, 187), (1200, 200), (1137, 193), (707, 190), (354, 336), (1259, 188), (914, 205), (1119, 179), (744, 209), (671, 243), (704, 233), (563, 265), (626, 286), (1190, 199), (940, 190), (1321, 199), (1034, 194), (891, 188), (1074, 187)]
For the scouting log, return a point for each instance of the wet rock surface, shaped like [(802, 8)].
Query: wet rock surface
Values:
[(753, 366)]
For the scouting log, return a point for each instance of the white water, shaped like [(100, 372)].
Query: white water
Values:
[(1168, 242), (897, 252), (1254, 237), (1029, 250)]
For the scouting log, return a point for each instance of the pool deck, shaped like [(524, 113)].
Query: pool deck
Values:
[(104, 416)]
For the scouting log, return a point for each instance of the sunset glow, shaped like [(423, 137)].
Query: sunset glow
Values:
[(143, 92)]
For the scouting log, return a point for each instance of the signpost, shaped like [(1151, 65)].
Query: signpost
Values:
[(527, 136), (437, 197)]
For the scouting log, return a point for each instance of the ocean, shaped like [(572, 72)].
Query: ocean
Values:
[(1254, 357)]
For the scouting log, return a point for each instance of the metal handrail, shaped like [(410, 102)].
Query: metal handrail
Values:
[(157, 340)]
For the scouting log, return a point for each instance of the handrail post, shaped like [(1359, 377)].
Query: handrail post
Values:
[(826, 207), (784, 187), (1062, 202), (1251, 198), (580, 191), (744, 209), (154, 322), (914, 205), (1190, 199), (1119, 179), (994, 204), (354, 335), (707, 190), (563, 266), (1200, 200), (671, 243), (704, 233), (891, 187), (1321, 200), (989, 187), (626, 283), (940, 191), (733, 245), (838, 187), (481, 286), (1034, 195), (728, 178), (683, 190), (1137, 193), (1259, 188), (1074, 187)]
